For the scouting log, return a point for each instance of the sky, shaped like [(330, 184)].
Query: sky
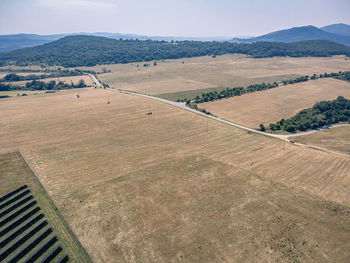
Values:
[(195, 18)]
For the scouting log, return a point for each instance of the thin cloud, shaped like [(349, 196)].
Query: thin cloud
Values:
[(92, 5)]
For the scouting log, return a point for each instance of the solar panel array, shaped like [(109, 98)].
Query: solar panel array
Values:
[(25, 234)]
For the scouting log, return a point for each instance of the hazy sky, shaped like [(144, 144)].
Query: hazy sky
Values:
[(168, 18)]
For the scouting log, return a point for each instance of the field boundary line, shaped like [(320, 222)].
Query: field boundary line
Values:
[(282, 137), (321, 149), (183, 106), (75, 238)]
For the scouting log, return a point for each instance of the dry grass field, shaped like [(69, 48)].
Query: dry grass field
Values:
[(176, 187), (67, 80), (274, 104), (20, 92), (335, 139), (172, 79)]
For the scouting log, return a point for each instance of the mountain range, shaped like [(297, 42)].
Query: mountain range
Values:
[(339, 33), (79, 50), (18, 41)]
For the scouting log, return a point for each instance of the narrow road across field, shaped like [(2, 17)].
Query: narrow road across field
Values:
[(98, 84), (183, 106)]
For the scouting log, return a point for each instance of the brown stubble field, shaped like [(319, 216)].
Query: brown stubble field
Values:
[(165, 188), (335, 139), (171, 79), (272, 105)]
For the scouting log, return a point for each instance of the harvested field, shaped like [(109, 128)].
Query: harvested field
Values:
[(175, 186), (20, 92), (34, 92), (272, 105), (67, 80), (335, 139), (172, 79)]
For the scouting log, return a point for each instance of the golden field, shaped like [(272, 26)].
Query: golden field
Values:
[(177, 187), (173, 79), (334, 139), (272, 105)]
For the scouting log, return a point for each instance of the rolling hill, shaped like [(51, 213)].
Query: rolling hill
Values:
[(296, 34), (18, 41), (339, 33), (73, 51), (340, 29)]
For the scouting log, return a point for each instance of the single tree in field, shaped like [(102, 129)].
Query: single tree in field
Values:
[(262, 127), (81, 83)]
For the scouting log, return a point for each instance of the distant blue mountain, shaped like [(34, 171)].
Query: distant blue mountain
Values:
[(18, 41), (296, 34), (340, 29), (339, 33)]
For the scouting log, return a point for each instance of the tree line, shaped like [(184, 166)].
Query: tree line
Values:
[(238, 91), (73, 51), (321, 114), (41, 85), (11, 77)]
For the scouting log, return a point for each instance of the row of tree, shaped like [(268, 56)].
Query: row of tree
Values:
[(238, 91), (232, 92), (11, 77), (297, 80), (73, 51), (321, 114), (40, 85)]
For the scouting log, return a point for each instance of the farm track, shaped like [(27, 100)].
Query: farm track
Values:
[(278, 136), (182, 105)]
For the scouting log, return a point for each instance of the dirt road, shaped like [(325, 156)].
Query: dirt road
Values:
[(183, 106)]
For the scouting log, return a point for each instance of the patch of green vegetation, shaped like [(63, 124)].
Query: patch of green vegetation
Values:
[(322, 113), (41, 85), (91, 50), (54, 74), (238, 91)]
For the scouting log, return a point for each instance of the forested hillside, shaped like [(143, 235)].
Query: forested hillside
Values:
[(73, 51), (322, 113)]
